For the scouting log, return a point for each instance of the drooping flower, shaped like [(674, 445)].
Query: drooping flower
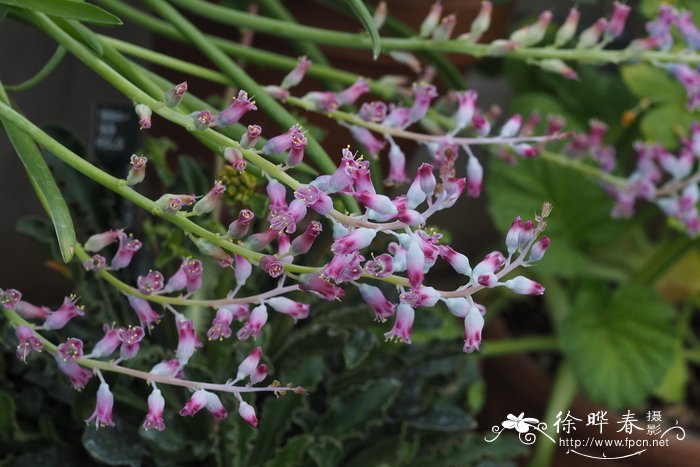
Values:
[(249, 364), (247, 413), (215, 407), (137, 170), (154, 417), (473, 325), (367, 139), (144, 113), (102, 416), (239, 228), (78, 375), (108, 344), (130, 338), (259, 374), (221, 325), (147, 316), (128, 246), (403, 325), (318, 285), (170, 368), (188, 341), (374, 297), (302, 244), (197, 402), (354, 241), (28, 341), (284, 305), (295, 76), (423, 95), (523, 285), (397, 165), (252, 327)]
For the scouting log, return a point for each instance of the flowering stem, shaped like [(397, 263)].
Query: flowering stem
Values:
[(252, 54), (82, 255), (240, 77), (563, 392), (17, 320), (274, 27)]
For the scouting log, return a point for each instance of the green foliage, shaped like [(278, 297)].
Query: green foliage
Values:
[(620, 344), (69, 9), (360, 10)]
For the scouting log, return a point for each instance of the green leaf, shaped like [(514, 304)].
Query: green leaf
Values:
[(649, 82), (327, 453), (68, 9), (86, 35), (44, 185), (292, 452), (351, 414), (671, 389), (472, 450), (445, 419), (664, 124), (117, 445), (580, 219), (620, 347), (8, 422), (359, 344), (363, 14)]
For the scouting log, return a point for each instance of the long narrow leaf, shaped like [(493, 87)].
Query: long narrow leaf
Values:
[(363, 14), (44, 185), (68, 9)]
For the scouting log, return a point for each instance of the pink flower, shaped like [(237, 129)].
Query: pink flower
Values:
[(398, 117), (259, 374), (314, 198), (374, 297), (137, 171), (128, 246), (79, 376), (260, 240), (29, 311), (352, 93), (131, 340), (102, 416), (289, 307), (303, 243), (98, 241), (538, 249), (239, 228), (272, 266), (591, 36), (458, 306), (458, 261), (567, 31), (247, 413), (221, 325), (423, 186), (423, 94), (380, 266), (250, 138), (374, 111), (150, 283), (366, 138), (10, 298), (378, 203), (397, 165), (208, 201), (67, 311), (170, 368), (203, 119), (295, 76), (513, 236), (175, 94), (466, 108), (241, 105), (108, 344), (344, 268), (187, 340), (193, 272), (473, 324), (249, 364), (243, 270), (144, 113), (215, 407), (415, 263), (96, 263), (28, 341), (235, 157), (420, 297), (71, 349), (523, 285), (325, 101), (156, 405), (617, 21), (320, 286), (252, 327), (431, 21), (197, 402), (475, 176), (403, 325), (354, 241), (147, 316)]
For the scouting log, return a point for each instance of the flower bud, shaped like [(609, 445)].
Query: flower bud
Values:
[(366, 138), (197, 402), (249, 364), (415, 263), (538, 249), (144, 113), (431, 21), (241, 105), (475, 176), (374, 297), (482, 22), (239, 228), (289, 307), (188, 341), (137, 172), (473, 325), (466, 108), (302, 244), (215, 407), (252, 327), (354, 241), (567, 30), (616, 25), (423, 95), (458, 306), (444, 30), (591, 36), (295, 76), (247, 413), (175, 95), (349, 95), (523, 285), (458, 261), (208, 201), (397, 165), (259, 374)]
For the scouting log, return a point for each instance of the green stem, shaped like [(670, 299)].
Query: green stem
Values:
[(584, 168), (563, 392), (274, 27), (497, 348), (251, 54), (41, 74), (241, 78)]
